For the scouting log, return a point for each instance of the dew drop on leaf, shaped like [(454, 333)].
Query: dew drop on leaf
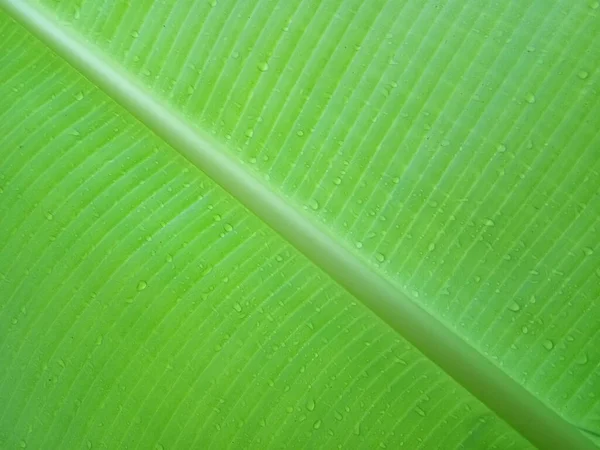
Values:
[(514, 306), (583, 74), (263, 66), (310, 405), (142, 285), (420, 411), (548, 344)]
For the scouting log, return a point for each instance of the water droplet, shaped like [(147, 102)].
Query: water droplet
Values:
[(313, 204), (548, 344), (135, 34), (445, 143), (525, 330), (382, 445), (237, 307), (396, 180), (431, 247), (99, 340), (357, 429), (22, 444), (380, 257), (359, 244), (489, 223), (213, 3), (142, 285), (310, 405), (501, 148), (289, 410), (146, 72), (582, 359), (530, 98), (169, 257), (514, 306), (279, 258), (79, 96), (338, 415), (299, 133), (263, 66), (49, 216), (337, 181), (595, 5), (249, 133), (317, 424), (228, 227), (588, 251), (583, 74), (420, 411)]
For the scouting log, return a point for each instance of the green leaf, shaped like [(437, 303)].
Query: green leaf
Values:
[(299, 224)]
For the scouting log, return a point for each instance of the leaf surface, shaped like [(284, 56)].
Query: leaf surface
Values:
[(435, 164)]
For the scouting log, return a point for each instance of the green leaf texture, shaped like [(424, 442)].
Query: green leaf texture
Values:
[(299, 224)]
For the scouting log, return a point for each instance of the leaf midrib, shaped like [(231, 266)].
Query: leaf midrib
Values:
[(511, 401)]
